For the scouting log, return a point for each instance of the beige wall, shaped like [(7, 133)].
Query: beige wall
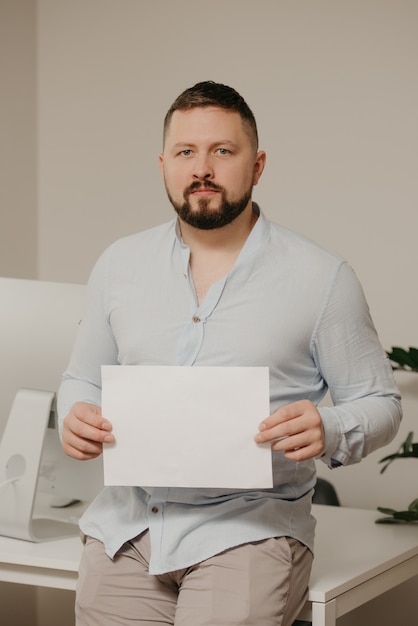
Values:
[(18, 130), (333, 84)]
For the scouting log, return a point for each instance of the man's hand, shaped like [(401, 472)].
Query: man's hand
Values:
[(85, 431), (296, 429)]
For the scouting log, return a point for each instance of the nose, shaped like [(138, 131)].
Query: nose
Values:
[(203, 169)]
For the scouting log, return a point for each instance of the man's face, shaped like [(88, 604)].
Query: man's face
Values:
[(209, 166)]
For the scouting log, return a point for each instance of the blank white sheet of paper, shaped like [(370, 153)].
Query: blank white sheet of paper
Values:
[(183, 426)]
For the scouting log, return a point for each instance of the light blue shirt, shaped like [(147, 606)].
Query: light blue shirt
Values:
[(286, 304)]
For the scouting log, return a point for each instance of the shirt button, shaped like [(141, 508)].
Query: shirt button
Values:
[(196, 319), (154, 509)]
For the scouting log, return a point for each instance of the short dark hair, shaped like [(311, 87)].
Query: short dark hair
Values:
[(208, 93)]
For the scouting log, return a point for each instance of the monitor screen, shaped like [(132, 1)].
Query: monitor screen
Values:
[(38, 324)]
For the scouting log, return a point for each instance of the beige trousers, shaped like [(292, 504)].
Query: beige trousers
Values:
[(259, 584)]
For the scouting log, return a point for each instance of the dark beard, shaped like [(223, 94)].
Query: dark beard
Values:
[(205, 218)]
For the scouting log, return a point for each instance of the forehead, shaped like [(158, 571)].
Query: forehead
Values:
[(201, 124)]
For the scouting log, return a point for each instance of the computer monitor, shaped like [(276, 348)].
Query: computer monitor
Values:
[(38, 324)]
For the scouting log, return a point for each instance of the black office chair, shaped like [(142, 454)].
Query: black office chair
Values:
[(324, 494)]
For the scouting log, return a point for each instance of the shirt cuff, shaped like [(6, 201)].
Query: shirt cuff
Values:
[(332, 436)]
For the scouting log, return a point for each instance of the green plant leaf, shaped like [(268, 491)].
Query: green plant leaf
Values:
[(399, 517), (385, 510), (406, 450), (389, 459), (406, 446), (406, 359), (407, 516), (414, 506), (389, 520), (414, 354)]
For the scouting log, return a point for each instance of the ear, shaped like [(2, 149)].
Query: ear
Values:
[(260, 161), (161, 163)]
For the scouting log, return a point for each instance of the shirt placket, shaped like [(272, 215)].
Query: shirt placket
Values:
[(193, 333)]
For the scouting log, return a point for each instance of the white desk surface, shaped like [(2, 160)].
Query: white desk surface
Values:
[(51, 563), (351, 548), (355, 560)]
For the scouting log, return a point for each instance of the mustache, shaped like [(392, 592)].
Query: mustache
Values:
[(207, 184)]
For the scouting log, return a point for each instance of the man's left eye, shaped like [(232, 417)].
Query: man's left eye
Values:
[(223, 151)]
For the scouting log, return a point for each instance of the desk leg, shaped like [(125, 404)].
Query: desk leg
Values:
[(324, 613)]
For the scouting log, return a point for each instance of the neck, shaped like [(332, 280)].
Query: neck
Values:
[(213, 252), (228, 238)]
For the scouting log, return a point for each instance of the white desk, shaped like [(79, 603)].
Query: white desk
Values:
[(355, 561)]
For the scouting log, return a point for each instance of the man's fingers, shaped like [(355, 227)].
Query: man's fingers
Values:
[(295, 429), (285, 422), (90, 414), (284, 414), (85, 430), (90, 452)]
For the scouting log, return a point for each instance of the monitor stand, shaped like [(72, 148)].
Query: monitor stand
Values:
[(20, 458)]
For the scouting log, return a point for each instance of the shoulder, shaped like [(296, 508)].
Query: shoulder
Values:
[(299, 251), (145, 240), (300, 243), (136, 251)]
